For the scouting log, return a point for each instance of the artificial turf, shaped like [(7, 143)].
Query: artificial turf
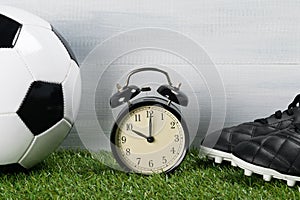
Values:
[(70, 174)]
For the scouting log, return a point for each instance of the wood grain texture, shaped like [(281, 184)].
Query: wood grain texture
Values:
[(254, 44)]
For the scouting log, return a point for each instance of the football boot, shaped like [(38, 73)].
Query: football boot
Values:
[(275, 155), (219, 144)]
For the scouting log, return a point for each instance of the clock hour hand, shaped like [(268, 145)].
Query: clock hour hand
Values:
[(139, 134), (149, 139)]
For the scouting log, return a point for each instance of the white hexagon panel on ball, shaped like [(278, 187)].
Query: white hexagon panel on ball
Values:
[(15, 138), (72, 92), (45, 143), (43, 53), (15, 80)]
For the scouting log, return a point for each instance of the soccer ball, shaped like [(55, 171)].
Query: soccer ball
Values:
[(40, 88)]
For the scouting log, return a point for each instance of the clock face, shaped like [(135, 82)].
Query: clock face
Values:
[(150, 139)]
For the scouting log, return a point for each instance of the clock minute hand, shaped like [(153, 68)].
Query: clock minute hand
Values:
[(150, 126), (140, 134)]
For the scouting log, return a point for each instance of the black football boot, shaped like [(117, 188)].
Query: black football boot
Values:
[(275, 155), (220, 144)]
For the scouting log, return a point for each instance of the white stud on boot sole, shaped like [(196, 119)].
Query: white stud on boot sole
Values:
[(267, 177), (247, 172), (291, 183), (218, 160), (233, 164)]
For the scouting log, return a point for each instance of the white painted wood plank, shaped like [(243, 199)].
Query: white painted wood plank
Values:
[(255, 44), (231, 31)]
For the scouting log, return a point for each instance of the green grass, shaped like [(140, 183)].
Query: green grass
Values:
[(76, 175)]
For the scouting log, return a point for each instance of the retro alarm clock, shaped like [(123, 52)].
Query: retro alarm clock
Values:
[(150, 134)]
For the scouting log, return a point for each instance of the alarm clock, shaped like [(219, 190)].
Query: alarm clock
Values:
[(150, 134)]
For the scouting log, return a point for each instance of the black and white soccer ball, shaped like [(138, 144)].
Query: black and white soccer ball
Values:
[(40, 88)]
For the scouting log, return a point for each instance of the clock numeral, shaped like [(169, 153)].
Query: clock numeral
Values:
[(162, 116), (151, 164), (164, 160), (150, 113), (129, 127), (137, 117), (173, 150), (128, 152), (176, 138), (123, 140), (172, 125), (138, 161)]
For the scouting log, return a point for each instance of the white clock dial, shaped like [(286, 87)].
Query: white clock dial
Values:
[(150, 139)]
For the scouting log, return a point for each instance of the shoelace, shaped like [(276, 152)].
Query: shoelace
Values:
[(297, 127), (278, 114)]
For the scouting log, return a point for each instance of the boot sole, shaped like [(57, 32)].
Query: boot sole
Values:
[(267, 173), (216, 155)]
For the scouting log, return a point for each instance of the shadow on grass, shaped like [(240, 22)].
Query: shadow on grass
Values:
[(63, 161), (12, 169)]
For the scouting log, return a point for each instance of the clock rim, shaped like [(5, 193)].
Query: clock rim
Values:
[(149, 101)]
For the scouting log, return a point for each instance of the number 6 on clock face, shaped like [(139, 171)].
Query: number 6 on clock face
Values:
[(150, 136)]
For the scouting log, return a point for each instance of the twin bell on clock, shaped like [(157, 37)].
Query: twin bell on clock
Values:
[(128, 92), (150, 134)]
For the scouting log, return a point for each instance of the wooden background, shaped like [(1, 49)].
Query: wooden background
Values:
[(254, 44)]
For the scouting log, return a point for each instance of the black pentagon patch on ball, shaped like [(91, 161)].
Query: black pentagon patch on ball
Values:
[(42, 107), (9, 32), (66, 45)]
